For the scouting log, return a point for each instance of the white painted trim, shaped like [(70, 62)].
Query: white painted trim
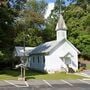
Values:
[(72, 46)]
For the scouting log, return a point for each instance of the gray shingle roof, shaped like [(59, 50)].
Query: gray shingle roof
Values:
[(51, 46), (46, 48), (19, 51), (61, 24)]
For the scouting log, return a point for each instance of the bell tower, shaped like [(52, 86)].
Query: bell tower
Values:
[(61, 28)]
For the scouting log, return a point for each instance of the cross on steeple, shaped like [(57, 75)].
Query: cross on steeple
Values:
[(61, 23), (61, 26), (60, 6)]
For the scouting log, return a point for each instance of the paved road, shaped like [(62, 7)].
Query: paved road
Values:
[(87, 72), (78, 84)]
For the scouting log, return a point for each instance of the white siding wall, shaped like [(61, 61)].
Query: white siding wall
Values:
[(54, 63), (61, 34)]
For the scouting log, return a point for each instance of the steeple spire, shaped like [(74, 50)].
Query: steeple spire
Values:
[(61, 24)]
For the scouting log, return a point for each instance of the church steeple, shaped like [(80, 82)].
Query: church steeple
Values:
[(61, 24), (61, 28)]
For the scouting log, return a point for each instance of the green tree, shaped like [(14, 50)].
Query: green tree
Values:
[(30, 23), (7, 32), (49, 33), (77, 18), (78, 22)]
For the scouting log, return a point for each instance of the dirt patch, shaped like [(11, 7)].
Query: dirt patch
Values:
[(84, 61)]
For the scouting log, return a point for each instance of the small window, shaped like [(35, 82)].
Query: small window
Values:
[(33, 60), (43, 59), (38, 59)]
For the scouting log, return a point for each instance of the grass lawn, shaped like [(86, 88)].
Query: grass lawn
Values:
[(56, 76), (13, 75)]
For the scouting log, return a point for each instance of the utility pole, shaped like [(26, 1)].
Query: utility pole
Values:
[(22, 65), (24, 57)]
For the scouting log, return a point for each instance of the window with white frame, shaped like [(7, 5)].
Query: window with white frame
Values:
[(38, 59), (43, 59), (33, 59)]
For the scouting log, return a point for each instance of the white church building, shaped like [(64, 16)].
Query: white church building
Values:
[(55, 56)]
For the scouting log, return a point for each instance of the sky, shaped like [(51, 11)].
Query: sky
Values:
[(49, 1), (50, 7)]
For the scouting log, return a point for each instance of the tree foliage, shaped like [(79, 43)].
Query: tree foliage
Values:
[(27, 20), (31, 21), (77, 18), (7, 31)]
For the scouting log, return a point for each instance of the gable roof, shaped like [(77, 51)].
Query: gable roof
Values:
[(66, 55), (19, 51), (44, 48), (61, 24), (51, 46), (73, 46)]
